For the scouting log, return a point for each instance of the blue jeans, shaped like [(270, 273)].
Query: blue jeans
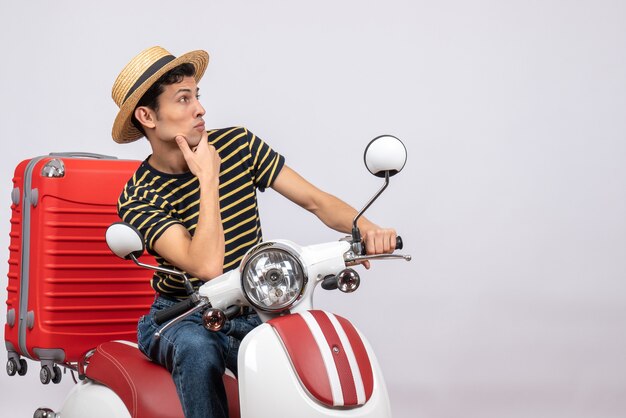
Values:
[(195, 357)]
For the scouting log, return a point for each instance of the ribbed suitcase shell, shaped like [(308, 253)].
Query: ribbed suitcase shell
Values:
[(66, 291)]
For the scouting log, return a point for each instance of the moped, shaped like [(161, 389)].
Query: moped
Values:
[(300, 362)]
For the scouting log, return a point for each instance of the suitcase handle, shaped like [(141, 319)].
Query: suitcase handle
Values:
[(83, 155)]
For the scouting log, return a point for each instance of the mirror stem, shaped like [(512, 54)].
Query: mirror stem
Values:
[(356, 234), (186, 282)]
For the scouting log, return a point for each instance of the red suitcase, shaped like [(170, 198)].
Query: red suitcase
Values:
[(66, 291)]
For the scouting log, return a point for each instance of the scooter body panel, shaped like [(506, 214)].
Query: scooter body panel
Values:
[(269, 385), (97, 399)]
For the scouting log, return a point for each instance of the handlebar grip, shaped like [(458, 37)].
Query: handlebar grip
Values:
[(173, 311), (330, 283), (399, 244)]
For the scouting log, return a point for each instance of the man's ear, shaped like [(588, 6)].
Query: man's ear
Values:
[(145, 116)]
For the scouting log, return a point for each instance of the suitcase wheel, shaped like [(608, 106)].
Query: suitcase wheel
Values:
[(23, 367), (14, 367), (11, 367), (46, 375), (57, 374)]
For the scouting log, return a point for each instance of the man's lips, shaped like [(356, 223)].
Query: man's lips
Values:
[(199, 126)]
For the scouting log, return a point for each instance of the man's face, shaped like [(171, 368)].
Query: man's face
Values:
[(180, 112)]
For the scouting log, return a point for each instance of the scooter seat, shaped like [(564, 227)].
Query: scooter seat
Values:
[(146, 388)]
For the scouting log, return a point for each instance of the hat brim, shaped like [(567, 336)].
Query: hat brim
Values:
[(123, 129)]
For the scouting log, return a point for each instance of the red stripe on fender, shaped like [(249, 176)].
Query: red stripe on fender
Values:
[(360, 353), (342, 365), (305, 356)]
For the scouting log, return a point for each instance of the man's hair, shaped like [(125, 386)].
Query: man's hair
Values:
[(150, 98)]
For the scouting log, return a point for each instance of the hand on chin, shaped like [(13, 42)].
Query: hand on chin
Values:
[(193, 138)]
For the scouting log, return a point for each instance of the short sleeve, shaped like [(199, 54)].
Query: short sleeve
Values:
[(266, 163), (148, 212)]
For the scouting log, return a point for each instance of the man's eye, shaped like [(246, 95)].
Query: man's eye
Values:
[(197, 97)]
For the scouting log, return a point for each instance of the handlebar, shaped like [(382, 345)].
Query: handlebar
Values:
[(358, 254), (399, 245), (173, 311)]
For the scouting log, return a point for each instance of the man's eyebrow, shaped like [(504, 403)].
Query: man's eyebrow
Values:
[(186, 90)]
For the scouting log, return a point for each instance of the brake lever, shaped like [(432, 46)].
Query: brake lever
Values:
[(352, 259), (204, 303)]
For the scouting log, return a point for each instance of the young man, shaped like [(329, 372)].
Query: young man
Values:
[(194, 201)]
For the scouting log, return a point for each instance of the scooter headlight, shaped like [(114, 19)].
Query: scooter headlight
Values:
[(273, 278)]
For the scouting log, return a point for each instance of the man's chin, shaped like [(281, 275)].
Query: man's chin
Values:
[(194, 140)]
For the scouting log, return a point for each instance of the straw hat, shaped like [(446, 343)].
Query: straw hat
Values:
[(138, 76)]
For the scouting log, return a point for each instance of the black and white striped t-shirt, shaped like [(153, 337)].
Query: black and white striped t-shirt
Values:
[(152, 201)]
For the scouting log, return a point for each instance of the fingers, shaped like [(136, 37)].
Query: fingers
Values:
[(184, 146), (380, 241), (203, 160), (204, 141), (203, 148)]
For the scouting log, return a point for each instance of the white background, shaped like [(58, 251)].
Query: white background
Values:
[(513, 201)]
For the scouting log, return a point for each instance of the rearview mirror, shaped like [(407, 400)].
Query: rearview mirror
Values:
[(385, 154), (124, 240)]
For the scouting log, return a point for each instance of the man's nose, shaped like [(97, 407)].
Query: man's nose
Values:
[(199, 109)]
